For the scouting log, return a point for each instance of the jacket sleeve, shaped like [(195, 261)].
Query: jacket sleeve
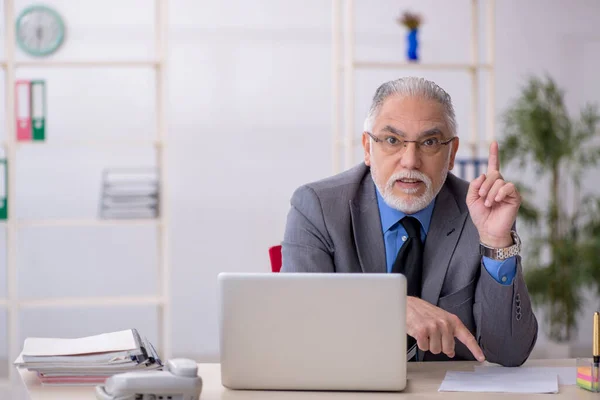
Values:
[(306, 246), (506, 326)]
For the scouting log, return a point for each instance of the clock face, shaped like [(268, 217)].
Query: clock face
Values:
[(40, 31)]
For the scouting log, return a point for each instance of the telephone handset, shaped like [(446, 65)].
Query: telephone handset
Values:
[(179, 381)]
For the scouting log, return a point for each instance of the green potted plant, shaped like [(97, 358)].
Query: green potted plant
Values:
[(562, 255)]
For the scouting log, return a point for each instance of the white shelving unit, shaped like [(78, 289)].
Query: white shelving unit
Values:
[(345, 137), (13, 303)]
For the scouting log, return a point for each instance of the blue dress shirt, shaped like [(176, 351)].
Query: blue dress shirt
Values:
[(395, 235)]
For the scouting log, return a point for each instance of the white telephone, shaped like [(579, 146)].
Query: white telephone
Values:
[(180, 381)]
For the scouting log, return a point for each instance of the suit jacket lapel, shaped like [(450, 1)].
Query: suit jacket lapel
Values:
[(366, 227), (446, 225)]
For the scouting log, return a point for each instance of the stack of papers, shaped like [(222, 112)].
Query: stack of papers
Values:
[(88, 360), (130, 193), (509, 380), (494, 382)]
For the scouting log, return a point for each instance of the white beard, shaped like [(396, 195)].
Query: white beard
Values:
[(409, 204)]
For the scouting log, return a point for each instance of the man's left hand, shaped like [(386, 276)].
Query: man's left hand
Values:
[(493, 204)]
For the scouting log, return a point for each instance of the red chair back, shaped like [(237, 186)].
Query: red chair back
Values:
[(275, 256)]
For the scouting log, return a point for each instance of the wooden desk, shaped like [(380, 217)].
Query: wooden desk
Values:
[(423, 382)]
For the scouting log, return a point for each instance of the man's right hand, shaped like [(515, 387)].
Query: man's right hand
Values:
[(435, 329)]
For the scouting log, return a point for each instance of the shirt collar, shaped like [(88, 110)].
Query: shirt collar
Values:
[(390, 216)]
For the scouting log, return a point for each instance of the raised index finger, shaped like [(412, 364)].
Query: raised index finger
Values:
[(463, 334), (493, 159)]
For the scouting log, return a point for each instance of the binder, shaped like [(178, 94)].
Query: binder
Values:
[(38, 109), (3, 189), (23, 109)]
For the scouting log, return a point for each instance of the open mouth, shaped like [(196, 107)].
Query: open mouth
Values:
[(408, 183)]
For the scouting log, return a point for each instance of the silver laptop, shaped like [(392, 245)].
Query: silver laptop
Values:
[(293, 331)]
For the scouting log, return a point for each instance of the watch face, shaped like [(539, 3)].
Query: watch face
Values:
[(40, 31)]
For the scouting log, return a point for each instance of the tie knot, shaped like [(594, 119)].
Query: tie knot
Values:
[(412, 226)]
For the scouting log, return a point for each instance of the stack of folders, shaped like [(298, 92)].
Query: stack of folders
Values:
[(130, 193), (87, 360)]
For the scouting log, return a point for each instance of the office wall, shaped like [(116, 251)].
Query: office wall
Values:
[(249, 118)]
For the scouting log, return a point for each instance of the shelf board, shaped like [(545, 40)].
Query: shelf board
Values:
[(76, 302), (424, 66), (88, 63), (87, 222), (83, 143)]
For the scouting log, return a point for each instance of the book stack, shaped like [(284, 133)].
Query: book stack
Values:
[(130, 193), (87, 360)]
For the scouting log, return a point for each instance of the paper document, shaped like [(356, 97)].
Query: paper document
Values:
[(87, 360), (115, 341), (566, 375), (498, 382)]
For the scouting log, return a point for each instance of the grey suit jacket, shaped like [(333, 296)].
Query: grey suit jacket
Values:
[(334, 226)]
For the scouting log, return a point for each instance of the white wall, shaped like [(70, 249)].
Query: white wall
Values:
[(249, 108)]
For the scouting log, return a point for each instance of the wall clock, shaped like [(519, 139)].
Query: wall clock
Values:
[(40, 30)]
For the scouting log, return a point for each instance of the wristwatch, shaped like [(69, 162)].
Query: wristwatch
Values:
[(503, 253)]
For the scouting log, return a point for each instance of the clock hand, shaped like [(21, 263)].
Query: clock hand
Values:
[(38, 35), (40, 29)]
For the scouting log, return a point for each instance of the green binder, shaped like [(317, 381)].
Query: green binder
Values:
[(3, 189), (38, 109)]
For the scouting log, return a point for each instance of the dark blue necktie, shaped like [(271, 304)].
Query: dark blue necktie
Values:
[(409, 262)]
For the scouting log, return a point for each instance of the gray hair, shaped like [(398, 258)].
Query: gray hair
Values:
[(412, 86)]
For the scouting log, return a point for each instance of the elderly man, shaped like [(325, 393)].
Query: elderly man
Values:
[(402, 212)]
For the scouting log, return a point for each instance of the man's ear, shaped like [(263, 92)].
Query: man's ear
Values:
[(367, 148), (453, 152)]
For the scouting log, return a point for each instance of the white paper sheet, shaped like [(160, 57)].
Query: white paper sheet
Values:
[(114, 341), (566, 375), (498, 382)]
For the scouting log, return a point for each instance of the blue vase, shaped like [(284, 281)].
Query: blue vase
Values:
[(413, 45)]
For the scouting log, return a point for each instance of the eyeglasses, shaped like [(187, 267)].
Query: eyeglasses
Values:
[(392, 144)]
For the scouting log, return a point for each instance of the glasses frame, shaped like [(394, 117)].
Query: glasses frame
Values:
[(416, 142)]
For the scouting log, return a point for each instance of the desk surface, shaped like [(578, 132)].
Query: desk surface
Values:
[(424, 379)]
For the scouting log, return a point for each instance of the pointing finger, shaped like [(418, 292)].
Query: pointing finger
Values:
[(463, 334), (493, 159)]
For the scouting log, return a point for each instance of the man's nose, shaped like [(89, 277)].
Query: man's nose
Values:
[(410, 158)]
